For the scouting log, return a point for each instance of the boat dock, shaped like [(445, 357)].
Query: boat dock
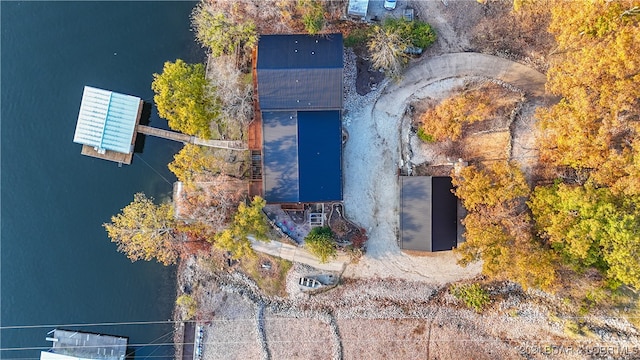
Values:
[(78, 345)]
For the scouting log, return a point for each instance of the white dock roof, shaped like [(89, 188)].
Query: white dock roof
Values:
[(107, 120)]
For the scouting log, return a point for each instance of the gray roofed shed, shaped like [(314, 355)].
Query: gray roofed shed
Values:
[(428, 214)]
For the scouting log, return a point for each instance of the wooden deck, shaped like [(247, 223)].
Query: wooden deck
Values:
[(255, 127), (188, 139), (254, 135)]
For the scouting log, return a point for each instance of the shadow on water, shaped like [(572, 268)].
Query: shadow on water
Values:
[(131, 353), (145, 119)]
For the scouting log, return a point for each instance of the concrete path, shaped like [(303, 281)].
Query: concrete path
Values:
[(297, 254), (467, 64)]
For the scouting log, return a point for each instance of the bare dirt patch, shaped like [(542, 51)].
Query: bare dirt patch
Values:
[(490, 146), (491, 28)]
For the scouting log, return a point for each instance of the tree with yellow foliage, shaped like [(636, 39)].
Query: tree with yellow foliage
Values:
[(597, 71), (182, 97), (145, 231), (249, 220), (445, 121), (592, 227), (498, 229)]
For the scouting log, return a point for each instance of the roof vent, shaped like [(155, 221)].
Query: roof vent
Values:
[(296, 50), (313, 53)]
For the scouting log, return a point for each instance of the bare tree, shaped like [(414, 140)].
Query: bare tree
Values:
[(233, 91), (212, 203), (387, 50)]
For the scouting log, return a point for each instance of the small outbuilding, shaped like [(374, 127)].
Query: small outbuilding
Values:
[(428, 214)]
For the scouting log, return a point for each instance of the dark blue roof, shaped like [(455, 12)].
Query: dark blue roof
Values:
[(320, 156), (304, 89), (445, 216), (300, 95), (300, 51), (302, 155), (302, 72)]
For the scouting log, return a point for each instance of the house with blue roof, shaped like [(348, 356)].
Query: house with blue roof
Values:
[(300, 96)]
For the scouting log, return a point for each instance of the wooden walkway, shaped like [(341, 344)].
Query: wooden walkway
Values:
[(188, 139), (254, 136)]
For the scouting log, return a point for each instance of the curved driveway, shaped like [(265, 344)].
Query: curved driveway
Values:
[(371, 192)]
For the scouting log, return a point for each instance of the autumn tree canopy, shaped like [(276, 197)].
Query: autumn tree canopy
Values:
[(145, 231), (596, 71), (498, 229), (182, 98), (222, 34), (592, 227), (446, 119)]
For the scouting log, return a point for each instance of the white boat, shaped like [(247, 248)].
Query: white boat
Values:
[(307, 283)]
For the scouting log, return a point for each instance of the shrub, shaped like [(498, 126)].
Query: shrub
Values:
[(312, 15), (188, 304), (422, 135), (387, 48), (419, 33), (320, 243), (445, 121), (357, 37), (472, 295)]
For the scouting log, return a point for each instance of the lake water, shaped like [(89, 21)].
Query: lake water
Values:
[(57, 264)]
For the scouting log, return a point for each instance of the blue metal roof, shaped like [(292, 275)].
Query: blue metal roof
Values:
[(320, 156), (107, 120), (302, 156)]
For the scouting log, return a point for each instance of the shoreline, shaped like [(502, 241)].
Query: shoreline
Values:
[(176, 316)]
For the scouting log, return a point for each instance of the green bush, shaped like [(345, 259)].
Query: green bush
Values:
[(357, 37), (422, 135), (320, 243), (472, 295), (312, 15), (420, 33)]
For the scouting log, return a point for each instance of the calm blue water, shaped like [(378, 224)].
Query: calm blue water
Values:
[(57, 264)]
